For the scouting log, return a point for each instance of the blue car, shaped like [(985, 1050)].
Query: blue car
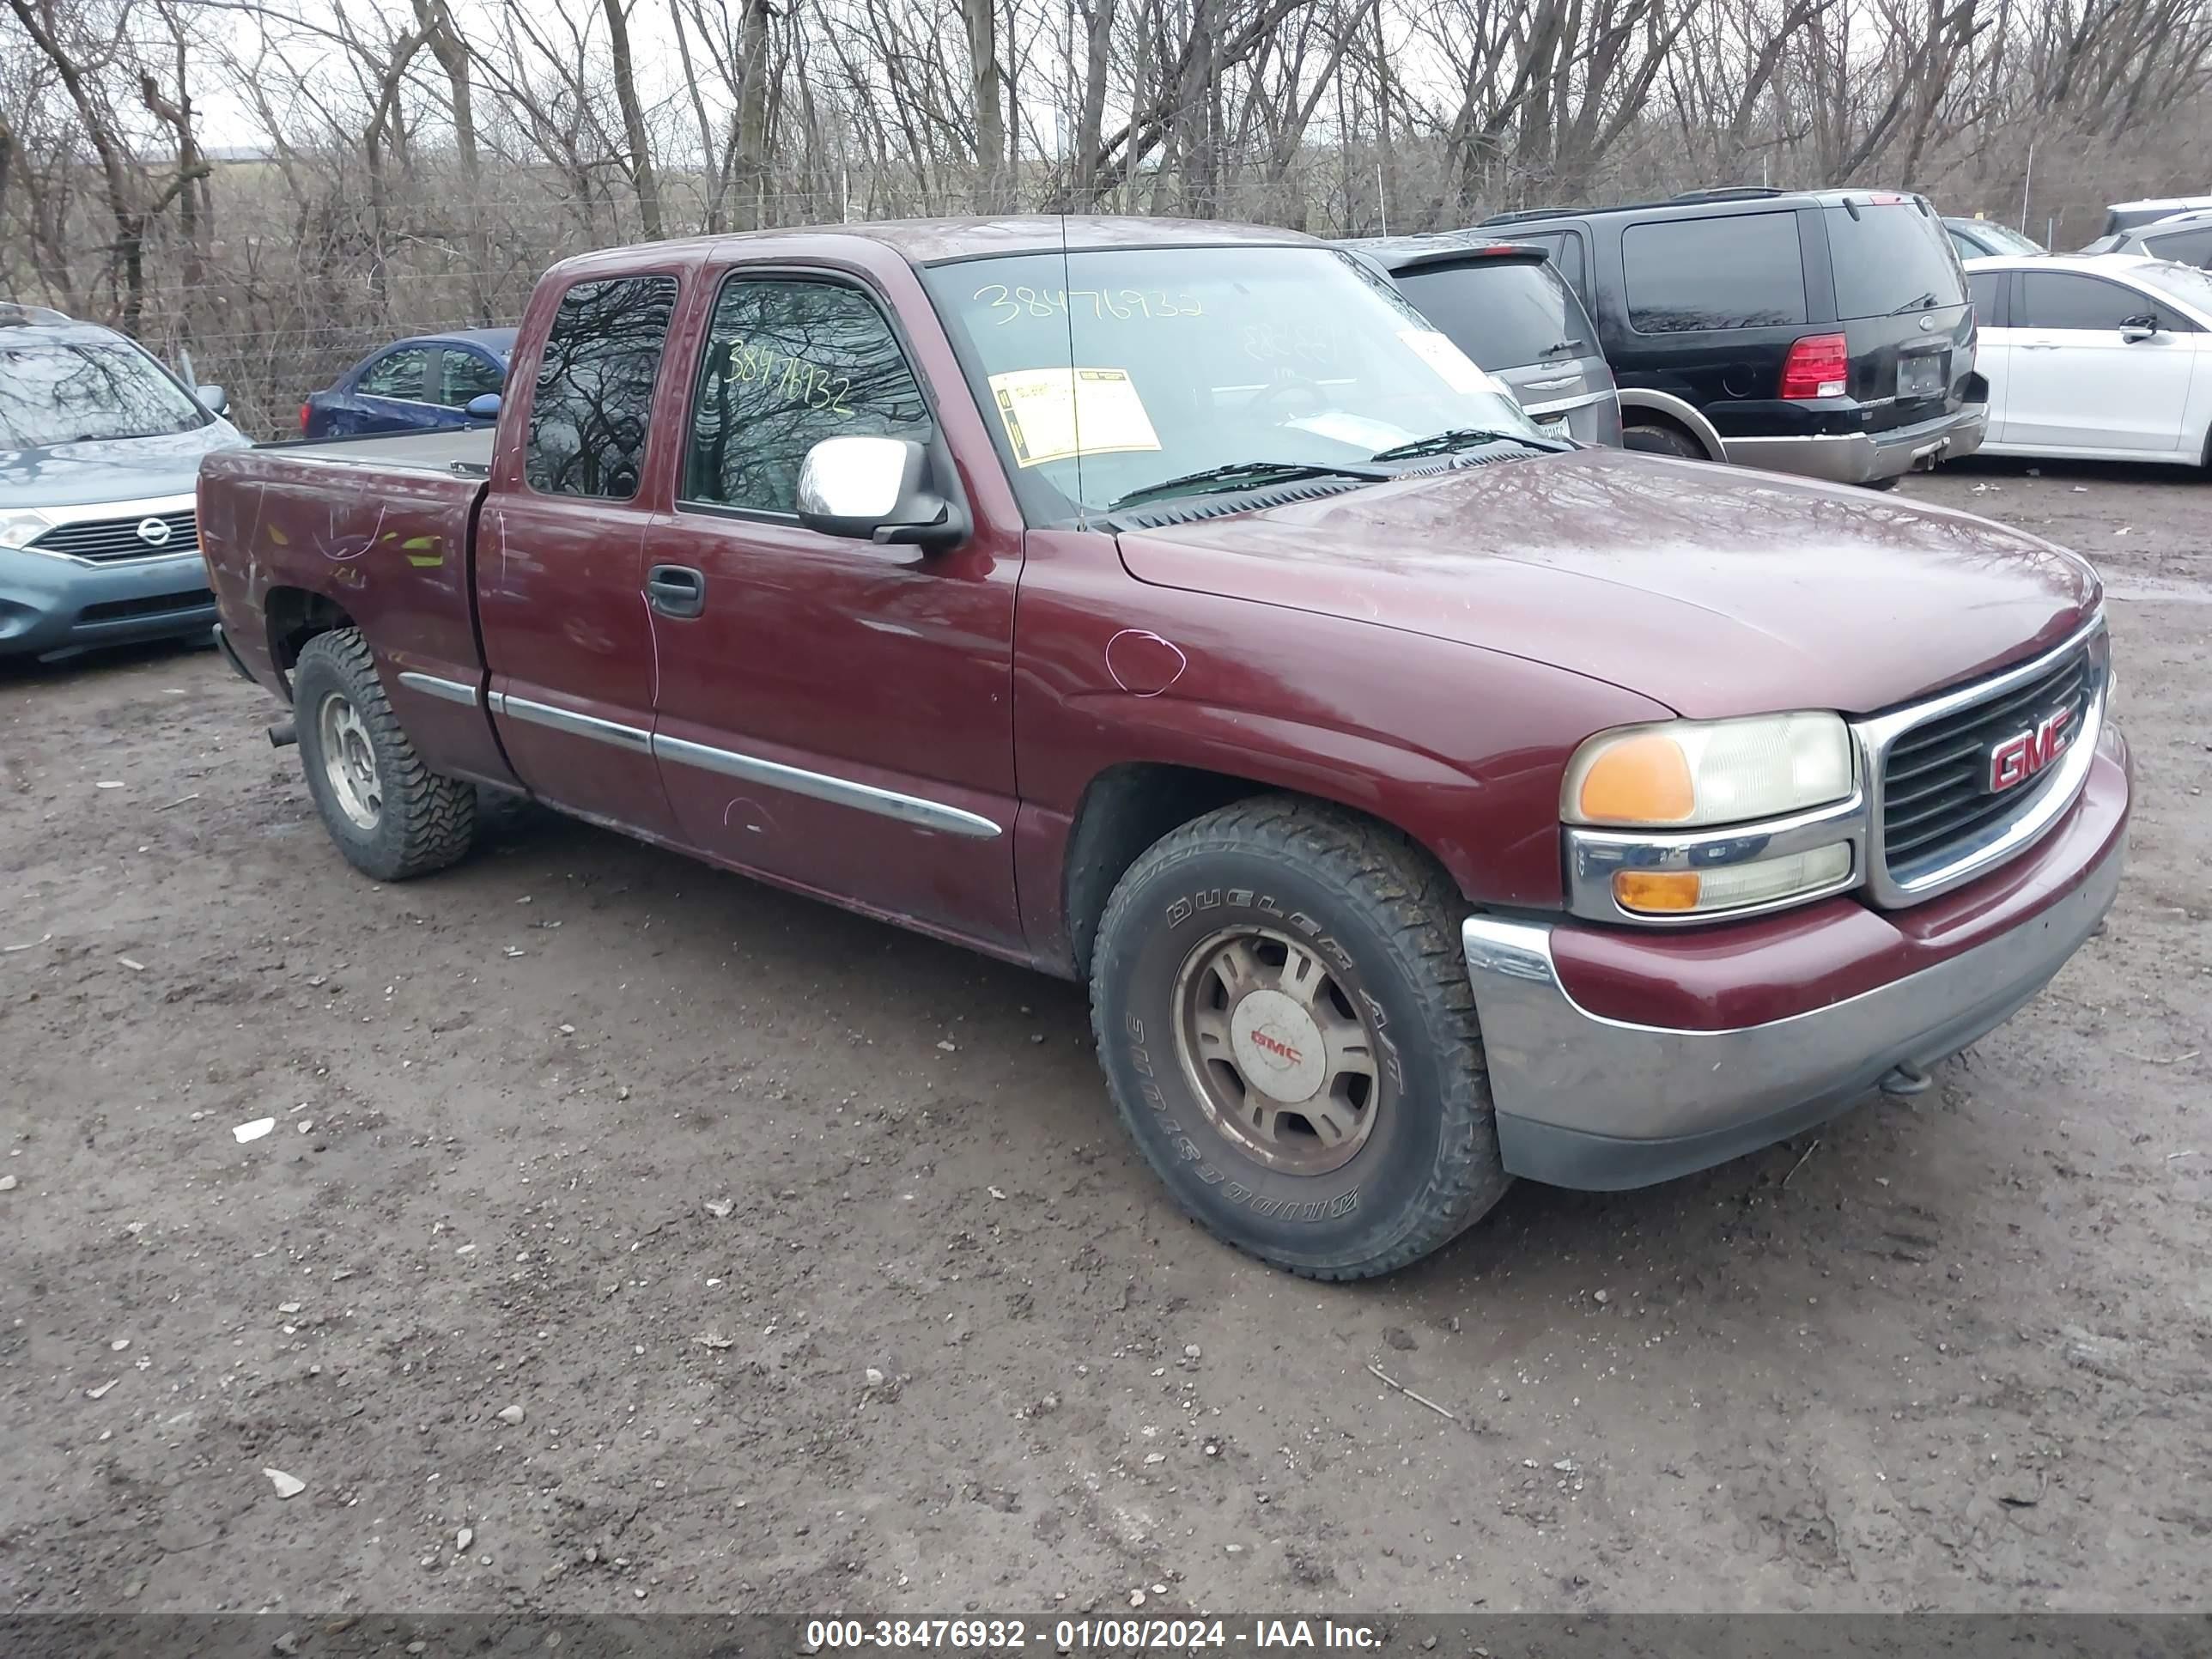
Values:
[(421, 384)]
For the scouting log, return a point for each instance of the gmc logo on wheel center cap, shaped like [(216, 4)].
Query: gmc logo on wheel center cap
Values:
[(2015, 759)]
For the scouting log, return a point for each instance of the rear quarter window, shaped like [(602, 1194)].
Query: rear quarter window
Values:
[(2188, 247), (593, 398), (1732, 270), (1890, 258)]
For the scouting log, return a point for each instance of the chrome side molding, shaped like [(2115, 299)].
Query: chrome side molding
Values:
[(751, 768), (431, 686)]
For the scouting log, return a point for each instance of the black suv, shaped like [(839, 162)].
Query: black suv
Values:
[(1823, 332)]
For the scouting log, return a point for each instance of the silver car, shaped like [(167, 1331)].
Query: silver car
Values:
[(1503, 305)]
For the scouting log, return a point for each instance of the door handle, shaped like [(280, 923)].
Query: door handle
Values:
[(676, 590)]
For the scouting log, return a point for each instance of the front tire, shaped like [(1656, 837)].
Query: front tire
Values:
[(1284, 1016), (390, 815)]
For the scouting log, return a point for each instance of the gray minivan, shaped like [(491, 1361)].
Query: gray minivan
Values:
[(1502, 304)]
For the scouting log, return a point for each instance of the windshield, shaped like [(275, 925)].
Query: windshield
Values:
[(2004, 238), (1891, 258), (1504, 313), (2186, 284), (86, 392), (1107, 373)]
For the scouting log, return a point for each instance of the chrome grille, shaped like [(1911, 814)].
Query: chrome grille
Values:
[(105, 540), (1936, 805)]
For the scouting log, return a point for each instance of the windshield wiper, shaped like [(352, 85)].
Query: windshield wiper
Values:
[(1560, 348), (1461, 437), (1925, 302), (1245, 475)]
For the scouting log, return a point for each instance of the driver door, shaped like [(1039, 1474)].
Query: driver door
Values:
[(2074, 380), (831, 714)]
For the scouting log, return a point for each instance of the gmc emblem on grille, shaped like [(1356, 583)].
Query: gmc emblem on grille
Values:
[(2017, 758)]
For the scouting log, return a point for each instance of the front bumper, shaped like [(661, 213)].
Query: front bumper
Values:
[(1867, 456), (1590, 1101), (51, 606)]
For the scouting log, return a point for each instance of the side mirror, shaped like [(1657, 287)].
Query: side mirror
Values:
[(213, 399), (2136, 329), (872, 488), (482, 407)]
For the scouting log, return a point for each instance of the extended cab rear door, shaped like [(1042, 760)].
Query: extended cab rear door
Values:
[(560, 545)]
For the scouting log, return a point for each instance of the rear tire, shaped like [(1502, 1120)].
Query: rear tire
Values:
[(390, 815), (1653, 439), (1284, 1016)]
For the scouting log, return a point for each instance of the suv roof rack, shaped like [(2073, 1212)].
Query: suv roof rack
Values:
[(1522, 214), (13, 315), (1687, 199), (1730, 193)]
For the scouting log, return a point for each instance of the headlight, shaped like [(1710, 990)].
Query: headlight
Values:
[(1686, 774), (17, 528), (1690, 820)]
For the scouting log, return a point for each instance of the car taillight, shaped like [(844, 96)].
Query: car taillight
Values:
[(305, 411), (1817, 367)]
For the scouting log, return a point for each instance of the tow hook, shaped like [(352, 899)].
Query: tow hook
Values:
[(283, 733), (1904, 1078)]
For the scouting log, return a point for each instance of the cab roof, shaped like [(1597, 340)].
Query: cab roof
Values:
[(939, 241)]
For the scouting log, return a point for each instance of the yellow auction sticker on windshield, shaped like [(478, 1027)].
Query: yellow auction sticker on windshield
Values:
[(1459, 371), (1051, 413)]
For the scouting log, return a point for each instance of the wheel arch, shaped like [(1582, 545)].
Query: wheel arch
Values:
[(1665, 407), (291, 617), (1128, 806)]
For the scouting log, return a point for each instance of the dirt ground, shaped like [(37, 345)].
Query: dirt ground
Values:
[(681, 1245)]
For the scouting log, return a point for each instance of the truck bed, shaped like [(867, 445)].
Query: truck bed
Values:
[(378, 531), (466, 453)]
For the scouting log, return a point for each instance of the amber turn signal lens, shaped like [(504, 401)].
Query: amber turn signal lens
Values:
[(1652, 890), (1640, 779)]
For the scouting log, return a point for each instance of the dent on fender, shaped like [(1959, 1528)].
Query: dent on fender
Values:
[(1143, 662)]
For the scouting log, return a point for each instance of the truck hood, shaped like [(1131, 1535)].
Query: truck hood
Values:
[(1714, 590), (111, 468)]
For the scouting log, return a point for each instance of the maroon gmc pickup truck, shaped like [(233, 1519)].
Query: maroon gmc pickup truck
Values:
[(1425, 801)]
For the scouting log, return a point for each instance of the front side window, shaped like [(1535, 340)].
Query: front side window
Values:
[(788, 362), (398, 375), (1732, 270), (2053, 299), (593, 398), (466, 376), (1107, 373), (93, 392)]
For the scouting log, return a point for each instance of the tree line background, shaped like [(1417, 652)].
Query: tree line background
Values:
[(274, 187)]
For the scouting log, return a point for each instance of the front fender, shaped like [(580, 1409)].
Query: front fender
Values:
[(1462, 749)]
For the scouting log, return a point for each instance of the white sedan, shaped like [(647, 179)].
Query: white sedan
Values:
[(2103, 356)]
